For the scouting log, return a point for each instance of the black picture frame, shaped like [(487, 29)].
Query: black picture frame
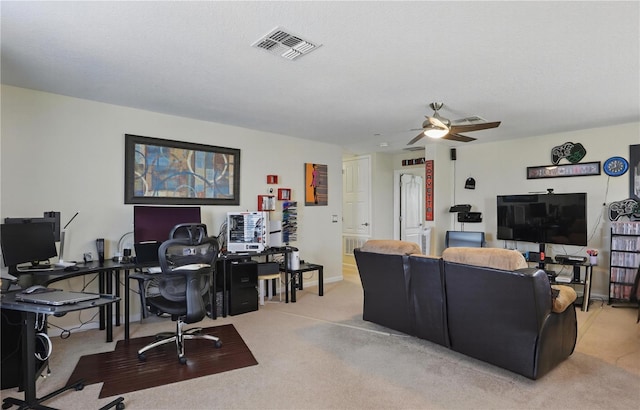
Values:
[(634, 172), (168, 172), (563, 171)]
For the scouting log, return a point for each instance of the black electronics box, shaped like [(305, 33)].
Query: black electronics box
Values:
[(268, 268), (460, 208), (470, 217)]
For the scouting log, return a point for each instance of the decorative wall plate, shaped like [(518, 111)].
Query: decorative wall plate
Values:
[(615, 166)]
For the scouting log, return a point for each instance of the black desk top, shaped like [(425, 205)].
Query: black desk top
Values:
[(8, 301)]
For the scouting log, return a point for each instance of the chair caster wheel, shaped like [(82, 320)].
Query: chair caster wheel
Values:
[(218, 344), (142, 357), (183, 360), (79, 386), (120, 406), (6, 405)]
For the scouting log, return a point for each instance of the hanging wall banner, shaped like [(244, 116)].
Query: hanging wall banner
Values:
[(570, 170), (428, 173)]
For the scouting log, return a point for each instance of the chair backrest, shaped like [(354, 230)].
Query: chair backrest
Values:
[(187, 265), (189, 230)]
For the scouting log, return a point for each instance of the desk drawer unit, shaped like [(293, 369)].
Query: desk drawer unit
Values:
[(243, 292)]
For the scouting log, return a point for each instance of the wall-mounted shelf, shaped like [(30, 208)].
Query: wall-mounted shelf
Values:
[(284, 194), (289, 222), (272, 179), (266, 203)]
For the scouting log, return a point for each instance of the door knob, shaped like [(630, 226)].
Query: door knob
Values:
[(365, 224)]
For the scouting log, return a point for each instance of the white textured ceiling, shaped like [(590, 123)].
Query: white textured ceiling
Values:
[(539, 67)]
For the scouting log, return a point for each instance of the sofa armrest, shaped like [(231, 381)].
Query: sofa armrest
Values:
[(566, 296)]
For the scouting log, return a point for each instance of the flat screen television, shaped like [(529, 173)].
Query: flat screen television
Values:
[(154, 223), (543, 218), (31, 242)]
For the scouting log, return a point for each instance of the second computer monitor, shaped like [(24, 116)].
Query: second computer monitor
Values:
[(457, 239)]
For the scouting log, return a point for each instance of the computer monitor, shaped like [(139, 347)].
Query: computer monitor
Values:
[(24, 220), (467, 239), (154, 223), (32, 243)]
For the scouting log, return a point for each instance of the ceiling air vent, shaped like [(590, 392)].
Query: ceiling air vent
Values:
[(282, 43)]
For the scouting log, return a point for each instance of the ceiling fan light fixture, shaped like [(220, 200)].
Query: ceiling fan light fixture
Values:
[(436, 132)]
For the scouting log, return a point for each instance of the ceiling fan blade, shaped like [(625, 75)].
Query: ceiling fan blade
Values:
[(458, 137), (416, 138), (474, 127)]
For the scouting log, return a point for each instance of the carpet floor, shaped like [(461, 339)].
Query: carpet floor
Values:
[(122, 372)]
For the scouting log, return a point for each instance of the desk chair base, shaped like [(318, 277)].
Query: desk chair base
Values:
[(179, 339)]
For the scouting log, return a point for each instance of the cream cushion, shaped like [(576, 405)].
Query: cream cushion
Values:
[(390, 247), (496, 258)]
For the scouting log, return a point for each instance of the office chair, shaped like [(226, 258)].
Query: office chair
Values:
[(187, 265)]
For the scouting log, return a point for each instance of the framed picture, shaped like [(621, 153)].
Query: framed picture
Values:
[(316, 188), (160, 171), (569, 170), (634, 172)]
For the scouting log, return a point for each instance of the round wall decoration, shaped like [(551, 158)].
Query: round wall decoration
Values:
[(615, 166)]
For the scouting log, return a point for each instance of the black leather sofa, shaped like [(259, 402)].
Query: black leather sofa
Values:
[(482, 302)]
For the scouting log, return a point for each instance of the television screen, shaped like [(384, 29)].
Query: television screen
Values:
[(27, 242), (543, 218), (154, 223)]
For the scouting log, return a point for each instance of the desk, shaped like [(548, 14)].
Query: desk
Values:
[(106, 274), (28, 313), (297, 273)]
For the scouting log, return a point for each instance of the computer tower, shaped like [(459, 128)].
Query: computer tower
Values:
[(243, 283)]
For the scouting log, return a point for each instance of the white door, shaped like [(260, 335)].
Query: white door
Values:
[(356, 191), (411, 208)]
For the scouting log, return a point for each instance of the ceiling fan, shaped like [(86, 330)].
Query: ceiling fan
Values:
[(436, 126)]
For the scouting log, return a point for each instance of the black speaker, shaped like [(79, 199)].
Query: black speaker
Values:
[(453, 154), (470, 217)]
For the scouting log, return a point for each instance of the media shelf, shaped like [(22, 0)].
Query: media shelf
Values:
[(624, 260)]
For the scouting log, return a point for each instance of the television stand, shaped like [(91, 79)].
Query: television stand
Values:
[(574, 280)]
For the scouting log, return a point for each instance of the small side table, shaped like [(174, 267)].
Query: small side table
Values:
[(297, 273)]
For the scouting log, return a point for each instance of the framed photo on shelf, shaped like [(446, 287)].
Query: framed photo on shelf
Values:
[(160, 171)]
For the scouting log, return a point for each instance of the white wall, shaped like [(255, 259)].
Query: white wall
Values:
[(67, 154), (500, 168)]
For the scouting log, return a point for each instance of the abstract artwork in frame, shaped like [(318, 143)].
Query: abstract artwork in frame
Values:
[(160, 171), (315, 192)]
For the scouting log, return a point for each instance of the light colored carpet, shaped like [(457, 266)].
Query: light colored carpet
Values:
[(319, 354)]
